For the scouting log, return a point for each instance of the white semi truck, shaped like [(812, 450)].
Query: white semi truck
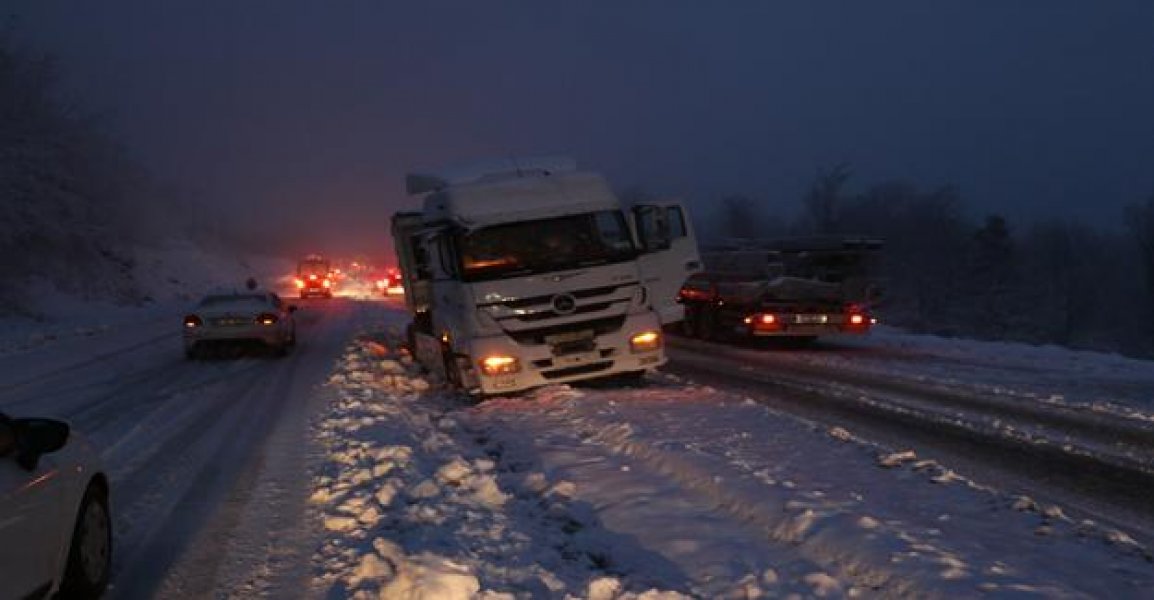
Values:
[(522, 273)]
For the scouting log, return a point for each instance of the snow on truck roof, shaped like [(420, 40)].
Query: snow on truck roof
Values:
[(511, 190), (490, 170)]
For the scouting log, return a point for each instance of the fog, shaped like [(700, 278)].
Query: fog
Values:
[(294, 122)]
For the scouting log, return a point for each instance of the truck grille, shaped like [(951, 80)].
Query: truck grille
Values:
[(598, 326), (546, 299), (522, 317), (581, 370)]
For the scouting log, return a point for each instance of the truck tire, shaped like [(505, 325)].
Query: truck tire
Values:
[(452, 371), (688, 325)]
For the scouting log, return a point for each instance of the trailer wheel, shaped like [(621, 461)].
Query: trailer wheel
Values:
[(707, 325), (689, 322)]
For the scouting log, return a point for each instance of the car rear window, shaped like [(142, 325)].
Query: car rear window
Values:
[(234, 299)]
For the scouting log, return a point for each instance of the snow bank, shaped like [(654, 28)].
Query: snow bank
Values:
[(416, 508)]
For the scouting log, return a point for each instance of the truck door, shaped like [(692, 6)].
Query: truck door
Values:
[(669, 255)]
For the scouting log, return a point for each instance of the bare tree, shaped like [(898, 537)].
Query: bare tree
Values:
[(1140, 218), (823, 201)]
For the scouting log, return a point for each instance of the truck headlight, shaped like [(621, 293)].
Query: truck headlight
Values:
[(645, 341), (500, 365)]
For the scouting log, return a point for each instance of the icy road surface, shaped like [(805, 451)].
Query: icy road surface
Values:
[(343, 471)]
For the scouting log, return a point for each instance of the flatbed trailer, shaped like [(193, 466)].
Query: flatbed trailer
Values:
[(797, 289)]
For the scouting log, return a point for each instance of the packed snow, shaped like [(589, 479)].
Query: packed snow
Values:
[(358, 475), (662, 490)]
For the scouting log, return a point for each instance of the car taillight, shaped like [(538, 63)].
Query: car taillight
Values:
[(191, 321), (312, 277), (857, 319), (382, 283), (327, 283), (266, 319), (299, 282)]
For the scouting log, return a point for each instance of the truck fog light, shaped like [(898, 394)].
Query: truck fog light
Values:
[(645, 341), (499, 365)]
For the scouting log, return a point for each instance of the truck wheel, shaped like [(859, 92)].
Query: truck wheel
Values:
[(452, 371), (689, 323)]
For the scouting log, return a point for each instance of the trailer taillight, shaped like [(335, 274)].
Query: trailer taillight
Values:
[(763, 321)]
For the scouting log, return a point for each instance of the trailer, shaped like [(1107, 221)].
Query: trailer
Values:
[(796, 289)]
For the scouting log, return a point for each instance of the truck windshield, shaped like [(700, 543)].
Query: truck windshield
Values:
[(544, 245)]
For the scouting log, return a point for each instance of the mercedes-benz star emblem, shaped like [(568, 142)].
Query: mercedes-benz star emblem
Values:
[(564, 304)]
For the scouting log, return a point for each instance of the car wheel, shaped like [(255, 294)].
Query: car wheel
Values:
[(90, 556)]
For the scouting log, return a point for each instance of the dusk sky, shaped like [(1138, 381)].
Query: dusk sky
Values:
[(308, 114)]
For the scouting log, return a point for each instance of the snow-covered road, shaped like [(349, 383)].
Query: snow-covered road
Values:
[(343, 471), (186, 443)]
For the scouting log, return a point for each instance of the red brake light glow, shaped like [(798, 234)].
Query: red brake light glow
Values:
[(192, 321)]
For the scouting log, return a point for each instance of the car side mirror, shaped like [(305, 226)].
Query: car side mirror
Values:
[(37, 437)]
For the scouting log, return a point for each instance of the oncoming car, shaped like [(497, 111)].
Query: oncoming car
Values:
[(240, 318), (55, 524)]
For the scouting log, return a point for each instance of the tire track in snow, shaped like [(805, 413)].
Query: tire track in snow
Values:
[(1112, 489), (186, 477), (98, 358)]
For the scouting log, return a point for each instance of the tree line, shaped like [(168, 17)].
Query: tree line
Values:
[(1052, 281), (74, 204)]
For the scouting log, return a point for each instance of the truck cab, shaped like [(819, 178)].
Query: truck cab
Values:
[(530, 272)]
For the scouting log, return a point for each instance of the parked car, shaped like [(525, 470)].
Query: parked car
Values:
[(240, 318), (55, 523)]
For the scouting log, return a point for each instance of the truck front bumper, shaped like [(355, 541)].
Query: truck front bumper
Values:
[(539, 364)]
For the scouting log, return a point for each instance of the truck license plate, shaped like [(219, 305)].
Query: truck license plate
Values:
[(569, 360), (571, 336), (811, 319)]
